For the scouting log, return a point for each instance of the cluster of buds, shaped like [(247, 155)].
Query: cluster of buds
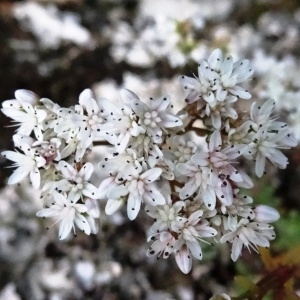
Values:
[(189, 184)]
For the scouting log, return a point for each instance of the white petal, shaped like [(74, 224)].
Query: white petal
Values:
[(151, 175), (66, 169), (65, 228), (113, 205), (86, 171), (170, 121), (133, 206), (260, 165), (90, 190), (35, 178), (189, 189), (18, 175), (47, 212), (82, 224), (195, 249), (26, 96), (236, 249), (266, 214), (215, 141), (184, 261)]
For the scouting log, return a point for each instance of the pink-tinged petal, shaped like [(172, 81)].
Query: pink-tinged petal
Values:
[(65, 227), (26, 96), (113, 205), (86, 171), (18, 175), (260, 165), (195, 249), (133, 205), (89, 190), (266, 214), (35, 178), (151, 175), (184, 260)]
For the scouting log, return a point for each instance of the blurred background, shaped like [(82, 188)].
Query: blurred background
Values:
[(57, 48)]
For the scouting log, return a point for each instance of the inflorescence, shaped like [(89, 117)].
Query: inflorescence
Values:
[(188, 183)]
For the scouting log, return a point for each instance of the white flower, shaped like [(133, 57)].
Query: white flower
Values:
[(21, 110), (249, 234), (265, 146), (164, 215), (67, 212), (180, 149), (191, 231), (218, 77), (92, 116), (123, 165), (140, 188), (78, 181), (27, 164)]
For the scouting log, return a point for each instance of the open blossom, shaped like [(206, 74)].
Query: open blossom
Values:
[(217, 87), (21, 110), (67, 212), (27, 164), (140, 188), (218, 77), (77, 182), (251, 233)]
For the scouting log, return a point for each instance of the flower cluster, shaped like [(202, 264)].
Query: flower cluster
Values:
[(189, 186)]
